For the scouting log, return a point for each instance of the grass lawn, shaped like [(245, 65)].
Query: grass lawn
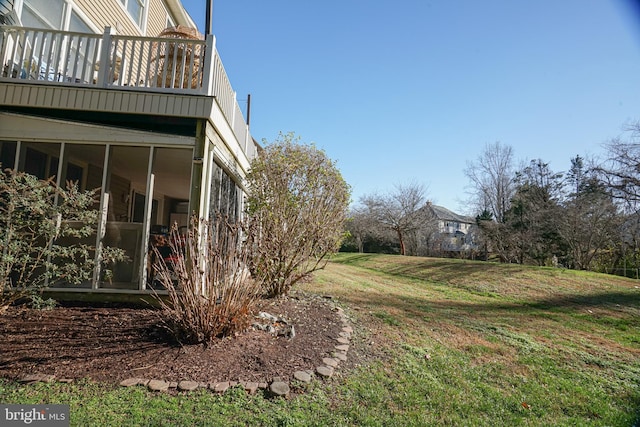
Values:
[(464, 344)]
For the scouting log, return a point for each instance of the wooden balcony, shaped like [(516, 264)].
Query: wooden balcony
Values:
[(184, 71)]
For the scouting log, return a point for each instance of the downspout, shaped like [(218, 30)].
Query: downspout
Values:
[(208, 27)]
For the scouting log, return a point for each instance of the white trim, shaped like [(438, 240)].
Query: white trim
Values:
[(83, 16), (181, 15)]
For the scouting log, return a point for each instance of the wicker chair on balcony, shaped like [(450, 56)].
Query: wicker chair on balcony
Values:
[(174, 54)]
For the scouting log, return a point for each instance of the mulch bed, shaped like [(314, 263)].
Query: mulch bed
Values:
[(111, 343)]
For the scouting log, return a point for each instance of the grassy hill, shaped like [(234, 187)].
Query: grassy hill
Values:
[(455, 343), (492, 344)]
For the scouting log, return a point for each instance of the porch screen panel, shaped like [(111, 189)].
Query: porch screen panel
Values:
[(126, 178), (39, 159), (7, 154), (172, 188), (82, 167), (216, 184), (172, 171), (224, 194)]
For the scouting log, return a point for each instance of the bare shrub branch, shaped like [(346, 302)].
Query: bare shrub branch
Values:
[(297, 206), (211, 293)]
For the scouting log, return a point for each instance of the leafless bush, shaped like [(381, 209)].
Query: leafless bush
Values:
[(211, 293), (296, 206)]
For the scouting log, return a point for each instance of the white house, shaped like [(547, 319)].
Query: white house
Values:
[(453, 232), (101, 93)]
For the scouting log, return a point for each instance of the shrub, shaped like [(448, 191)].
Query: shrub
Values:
[(42, 228), (297, 204), (211, 293)]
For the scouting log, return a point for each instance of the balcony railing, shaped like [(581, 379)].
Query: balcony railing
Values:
[(160, 64)]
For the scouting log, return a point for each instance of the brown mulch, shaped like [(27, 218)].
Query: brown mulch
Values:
[(112, 343)]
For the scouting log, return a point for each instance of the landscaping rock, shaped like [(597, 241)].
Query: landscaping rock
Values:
[(279, 388), (342, 340), (188, 385), (330, 362), (302, 376), (347, 329), (221, 387), (250, 387), (342, 347), (340, 356), (267, 316), (173, 384), (158, 385), (37, 378), (325, 371), (130, 382)]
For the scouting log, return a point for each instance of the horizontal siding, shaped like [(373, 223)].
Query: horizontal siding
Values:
[(90, 99), (157, 20), (110, 13)]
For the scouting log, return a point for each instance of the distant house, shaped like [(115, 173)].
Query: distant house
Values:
[(451, 233), (125, 96)]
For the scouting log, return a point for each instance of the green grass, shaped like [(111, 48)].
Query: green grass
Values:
[(463, 343)]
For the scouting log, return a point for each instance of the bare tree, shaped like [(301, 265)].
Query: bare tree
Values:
[(362, 228), (621, 170), (491, 177), (399, 211)]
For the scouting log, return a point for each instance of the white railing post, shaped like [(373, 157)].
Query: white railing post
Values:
[(246, 141), (207, 66), (105, 64), (233, 112)]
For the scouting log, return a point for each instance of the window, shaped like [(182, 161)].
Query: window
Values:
[(82, 51), (43, 13), (224, 194), (135, 9), (78, 25)]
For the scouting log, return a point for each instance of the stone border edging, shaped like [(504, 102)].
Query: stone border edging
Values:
[(277, 387)]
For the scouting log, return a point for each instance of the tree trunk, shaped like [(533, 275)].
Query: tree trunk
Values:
[(402, 246)]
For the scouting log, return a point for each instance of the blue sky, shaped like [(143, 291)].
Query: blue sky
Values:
[(411, 90)]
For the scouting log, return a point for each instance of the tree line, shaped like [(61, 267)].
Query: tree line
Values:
[(585, 218)]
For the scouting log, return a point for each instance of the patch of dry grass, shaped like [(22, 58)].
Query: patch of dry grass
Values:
[(541, 332)]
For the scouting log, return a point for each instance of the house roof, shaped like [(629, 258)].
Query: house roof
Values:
[(445, 214)]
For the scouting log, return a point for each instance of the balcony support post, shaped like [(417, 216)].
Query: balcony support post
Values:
[(207, 66), (105, 61)]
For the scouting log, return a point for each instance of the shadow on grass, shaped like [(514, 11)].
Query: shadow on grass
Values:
[(565, 303), (440, 269)]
